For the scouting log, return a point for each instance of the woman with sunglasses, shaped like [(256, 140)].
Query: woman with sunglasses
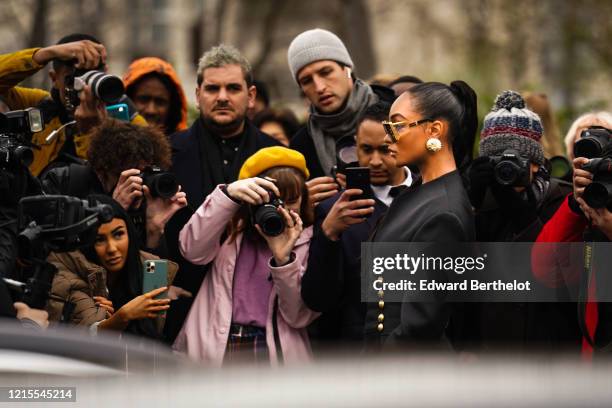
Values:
[(432, 127)]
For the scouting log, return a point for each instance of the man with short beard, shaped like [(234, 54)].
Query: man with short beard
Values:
[(212, 150)]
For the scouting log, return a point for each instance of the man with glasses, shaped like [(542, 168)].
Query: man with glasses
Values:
[(331, 284), (322, 67)]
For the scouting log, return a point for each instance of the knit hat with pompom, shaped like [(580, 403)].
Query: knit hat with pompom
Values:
[(510, 125)]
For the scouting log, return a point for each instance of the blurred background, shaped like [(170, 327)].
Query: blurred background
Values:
[(559, 48)]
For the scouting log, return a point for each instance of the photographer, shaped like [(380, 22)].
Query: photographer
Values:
[(72, 56), (250, 299), (118, 154), (101, 286), (576, 221), (514, 196)]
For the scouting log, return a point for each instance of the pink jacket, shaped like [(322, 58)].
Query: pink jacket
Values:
[(205, 332)]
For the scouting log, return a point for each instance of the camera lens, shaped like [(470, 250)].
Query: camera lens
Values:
[(164, 185), (269, 219), (597, 195), (108, 88), (588, 148), (24, 155), (506, 173)]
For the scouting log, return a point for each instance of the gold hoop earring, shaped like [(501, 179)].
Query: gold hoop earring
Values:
[(433, 144)]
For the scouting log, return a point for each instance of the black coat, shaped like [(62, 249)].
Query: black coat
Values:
[(331, 283), (302, 140), (519, 325), (187, 167), (438, 211)]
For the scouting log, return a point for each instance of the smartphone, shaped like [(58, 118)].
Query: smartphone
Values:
[(155, 275), (359, 177), (119, 111)]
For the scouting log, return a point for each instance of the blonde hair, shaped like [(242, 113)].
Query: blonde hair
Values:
[(601, 118)]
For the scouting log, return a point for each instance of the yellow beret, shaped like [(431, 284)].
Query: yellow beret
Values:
[(276, 156)]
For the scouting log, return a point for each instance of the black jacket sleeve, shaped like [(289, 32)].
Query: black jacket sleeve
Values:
[(323, 280)]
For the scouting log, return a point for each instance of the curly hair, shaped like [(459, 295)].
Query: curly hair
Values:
[(117, 146)]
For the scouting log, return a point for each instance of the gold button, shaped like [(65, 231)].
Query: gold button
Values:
[(380, 327), (381, 304), (381, 293), (380, 279), (381, 318)]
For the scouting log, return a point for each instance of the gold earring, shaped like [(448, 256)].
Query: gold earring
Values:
[(433, 144)]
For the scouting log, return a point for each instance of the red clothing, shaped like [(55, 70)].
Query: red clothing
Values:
[(564, 226)]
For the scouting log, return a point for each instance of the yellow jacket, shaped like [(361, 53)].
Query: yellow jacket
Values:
[(16, 67)]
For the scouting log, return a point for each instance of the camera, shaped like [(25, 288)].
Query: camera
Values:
[(161, 183), (510, 169), (16, 128), (267, 216), (592, 143), (598, 194), (51, 223), (108, 88)]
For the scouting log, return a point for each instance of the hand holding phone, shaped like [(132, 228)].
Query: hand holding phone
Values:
[(155, 275)]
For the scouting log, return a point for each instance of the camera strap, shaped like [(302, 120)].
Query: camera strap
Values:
[(583, 294)]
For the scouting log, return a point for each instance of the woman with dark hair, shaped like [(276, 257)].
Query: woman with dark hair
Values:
[(432, 127), (101, 286), (249, 305), (280, 124)]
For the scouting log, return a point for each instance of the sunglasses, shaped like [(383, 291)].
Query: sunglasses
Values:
[(393, 129)]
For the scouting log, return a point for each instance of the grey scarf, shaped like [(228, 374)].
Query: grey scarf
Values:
[(326, 130)]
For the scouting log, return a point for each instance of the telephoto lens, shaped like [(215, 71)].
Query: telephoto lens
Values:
[(161, 183), (268, 218), (108, 88)]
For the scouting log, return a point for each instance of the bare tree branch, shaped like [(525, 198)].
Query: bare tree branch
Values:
[(270, 22)]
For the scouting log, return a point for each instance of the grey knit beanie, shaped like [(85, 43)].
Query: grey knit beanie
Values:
[(316, 45), (510, 125)]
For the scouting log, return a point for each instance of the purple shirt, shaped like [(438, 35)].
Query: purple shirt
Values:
[(251, 291)]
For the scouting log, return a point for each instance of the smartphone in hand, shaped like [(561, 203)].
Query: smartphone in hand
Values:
[(155, 275), (119, 111), (359, 177)]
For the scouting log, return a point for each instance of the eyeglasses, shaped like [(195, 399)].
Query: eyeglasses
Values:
[(393, 129)]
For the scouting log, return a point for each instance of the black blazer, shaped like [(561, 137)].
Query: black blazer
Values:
[(331, 283), (438, 211)]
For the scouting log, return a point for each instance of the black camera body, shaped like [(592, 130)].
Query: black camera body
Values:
[(595, 143), (266, 215), (510, 169), (598, 194), (16, 128), (592, 142), (161, 183)]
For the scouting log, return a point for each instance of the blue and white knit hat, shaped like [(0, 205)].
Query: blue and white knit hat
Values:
[(510, 125)]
